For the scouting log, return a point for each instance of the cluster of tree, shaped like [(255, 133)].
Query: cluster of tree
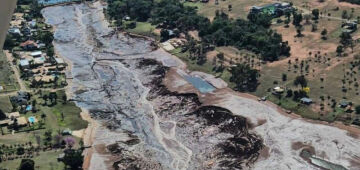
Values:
[(244, 77), (253, 35), (351, 1)]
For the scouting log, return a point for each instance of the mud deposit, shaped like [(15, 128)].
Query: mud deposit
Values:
[(145, 126)]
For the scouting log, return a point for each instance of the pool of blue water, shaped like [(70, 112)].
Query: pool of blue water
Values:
[(200, 84), (31, 119), (52, 2)]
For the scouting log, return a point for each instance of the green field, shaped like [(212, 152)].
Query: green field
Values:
[(5, 104), (143, 28), (45, 161), (7, 79)]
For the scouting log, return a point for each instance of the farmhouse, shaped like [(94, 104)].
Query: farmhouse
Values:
[(276, 9), (29, 45), (24, 63), (306, 100)]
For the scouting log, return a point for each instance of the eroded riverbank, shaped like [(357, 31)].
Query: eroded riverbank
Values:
[(148, 123)]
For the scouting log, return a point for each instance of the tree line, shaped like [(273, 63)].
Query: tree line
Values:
[(253, 34)]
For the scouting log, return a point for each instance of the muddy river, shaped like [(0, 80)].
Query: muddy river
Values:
[(145, 125)]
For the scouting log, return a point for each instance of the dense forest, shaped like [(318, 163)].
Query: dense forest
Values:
[(351, 1), (253, 35)]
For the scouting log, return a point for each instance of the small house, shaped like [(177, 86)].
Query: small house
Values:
[(306, 100), (13, 115), (29, 45), (60, 61), (60, 157), (32, 23), (344, 104), (14, 31), (66, 132), (278, 89), (21, 121), (36, 54), (39, 60), (24, 63), (21, 99)]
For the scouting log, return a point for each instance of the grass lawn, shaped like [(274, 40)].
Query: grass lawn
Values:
[(206, 67), (54, 120), (7, 79), (45, 161), (5, 104), (143, 28)]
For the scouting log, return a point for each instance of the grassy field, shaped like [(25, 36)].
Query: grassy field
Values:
[(320, 64), (143, 28), (7, 79), (207, 67), (5, 104), (45, 161)]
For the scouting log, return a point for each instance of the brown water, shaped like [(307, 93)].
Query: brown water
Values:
[(6, 9)]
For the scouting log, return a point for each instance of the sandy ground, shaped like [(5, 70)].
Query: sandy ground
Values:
[(335, 142)]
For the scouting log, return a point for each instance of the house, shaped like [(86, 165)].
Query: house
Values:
[(45, 79), (66, 132), (349, 26), (36, 54), (21, 99), (32, 23), (344, 104), (279, 89), (306, 100), (276, 9), (60, 61), (4, 123), (24, 63), (13, 115), (60, 157), (29, 45), (26, 31), (21, 121), (39, 60), (14, 31)]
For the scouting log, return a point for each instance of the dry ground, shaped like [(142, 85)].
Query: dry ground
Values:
[(324, 65)]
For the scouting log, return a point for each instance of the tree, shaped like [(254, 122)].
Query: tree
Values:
[(339, 50), (314, 27), (245, 78), (164, 34), (344, 14), (45, 98), (2, 115), (357, 109), (298, 31), (9, 42), (64, 98), (323, 34), (289, 93), (345, 39), (27, 164), (297, 18), (47, 137), (300, 80), (315, 13), (73, 159), (284, 77), (46, 37), (221, 58)]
